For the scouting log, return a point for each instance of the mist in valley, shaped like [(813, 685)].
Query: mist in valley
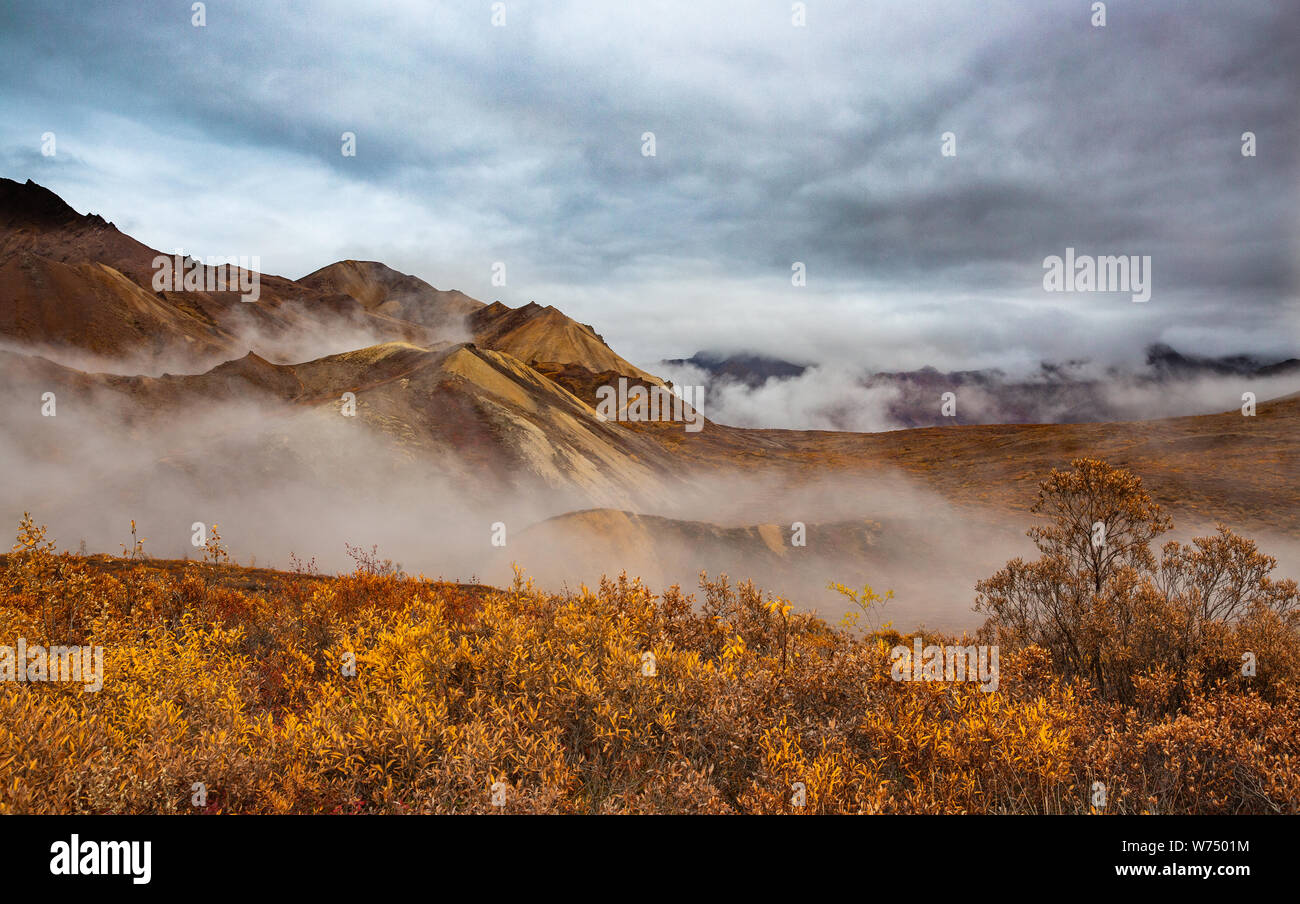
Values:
[(300, 480)]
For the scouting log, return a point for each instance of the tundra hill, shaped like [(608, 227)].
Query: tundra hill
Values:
[(958, 513)]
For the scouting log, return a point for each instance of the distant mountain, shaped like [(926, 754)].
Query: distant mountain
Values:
[(1060, 393), (750, 369), (1165, 362)]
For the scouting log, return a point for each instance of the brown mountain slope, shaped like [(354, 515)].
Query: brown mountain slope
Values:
[(381, 289), (1207, 467), (507, 415), (453, 408), (533, 333), (93, 307), (57, 288), (354, 303), (35, 220)]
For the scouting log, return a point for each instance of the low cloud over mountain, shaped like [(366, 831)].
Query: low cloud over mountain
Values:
[(752, 390)]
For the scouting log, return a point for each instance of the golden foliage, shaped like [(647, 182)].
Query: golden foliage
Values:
[(458, 690)]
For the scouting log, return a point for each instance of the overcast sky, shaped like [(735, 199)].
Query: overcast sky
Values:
[(774, 144)]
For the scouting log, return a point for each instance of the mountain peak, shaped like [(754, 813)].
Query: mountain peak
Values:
[(30, 204)]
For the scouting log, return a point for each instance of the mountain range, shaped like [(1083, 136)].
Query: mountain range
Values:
[(1073, 392), (358, 404)]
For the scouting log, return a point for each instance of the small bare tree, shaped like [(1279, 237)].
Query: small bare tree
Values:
[(1100, 602)]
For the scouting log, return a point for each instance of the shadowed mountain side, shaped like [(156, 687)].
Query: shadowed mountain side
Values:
[(1171, 385), (753, 370), (757, 391), (34, 220)]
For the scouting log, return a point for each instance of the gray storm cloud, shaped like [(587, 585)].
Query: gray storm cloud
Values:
[(522, 144)]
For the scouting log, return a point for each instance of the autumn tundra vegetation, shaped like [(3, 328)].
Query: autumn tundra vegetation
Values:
[(1132, 680)]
